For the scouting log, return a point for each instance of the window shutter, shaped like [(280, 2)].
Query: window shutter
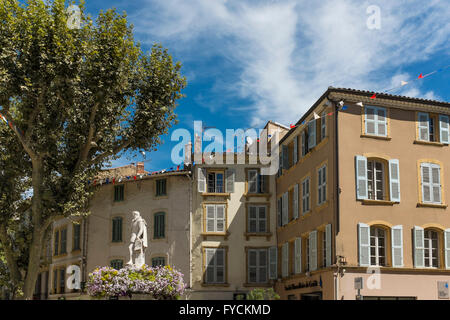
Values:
[(230, 176), (220, 218), (285, 208), (285, 260), (210, 265), (381, 121), (364, 244), (220, 265), (436, 182), (444, 129), (311, 134), (298, 255), (279, 212), (262, 264), (361, 177), (419, 250), (295, 205), (252, 181), (323, 122), (394, 180), (303, 146), (447, 248), (397, 246), (252, 265), (426, 182), (295, 149), (210, 218), (262, 218), (369, 120), (328, 244), (313, 250), (424, 126), (201, 180), (252, 219), (273, 261), (285, 157)]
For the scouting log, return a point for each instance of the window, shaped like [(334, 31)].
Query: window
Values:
[(431, 256), (431, 183), (256, 182), (308, 257), (117, 229), (377, 246), (76, 236), (375, 121), (158, 261), (116, 264), (161, 187), (214, 265), (433, 127), (56, 244), (119, 192), (305, 196), (375, 180), (257, 265), (304, 146), (322, 185), (159, 225), (215, 182), (215, 218), (371, 176), (257, 219)]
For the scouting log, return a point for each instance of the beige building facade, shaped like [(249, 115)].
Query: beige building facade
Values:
[(102, 238), (362, 199)]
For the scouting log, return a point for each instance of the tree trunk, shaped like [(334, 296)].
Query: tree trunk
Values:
[(34, 257)]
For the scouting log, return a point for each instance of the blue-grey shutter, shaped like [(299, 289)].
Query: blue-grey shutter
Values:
[(313, 250), (447, 248), (273, 262), (328, 246), (424, 124), (295, 202), (397, 246), (361, 177), (444, 129), (311, 134), (230, 177), (201, 180), (364, 244), (303, 146), (298, 255), (394, 180), (419, 247), (285, 157), (295, 149)]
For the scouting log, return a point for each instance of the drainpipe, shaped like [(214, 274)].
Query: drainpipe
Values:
[(337, 204), (191, 180), (85, 247)]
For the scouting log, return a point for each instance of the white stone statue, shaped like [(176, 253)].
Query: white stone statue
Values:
[(138, 240)]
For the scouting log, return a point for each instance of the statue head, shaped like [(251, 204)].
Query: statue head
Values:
[(135, 214)]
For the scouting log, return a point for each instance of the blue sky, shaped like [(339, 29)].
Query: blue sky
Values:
[(247, 62)]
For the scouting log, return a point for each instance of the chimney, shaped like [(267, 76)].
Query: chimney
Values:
[(187, 153), (140, 168)]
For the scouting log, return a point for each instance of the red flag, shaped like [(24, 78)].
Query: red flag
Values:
[(292, 126), (178, 168), (114, 180), (420, 76), (134, 177), (374, 96)]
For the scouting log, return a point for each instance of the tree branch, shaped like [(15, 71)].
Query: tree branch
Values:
[(87, 146), (11, 260), (116, 150), (24, 143)]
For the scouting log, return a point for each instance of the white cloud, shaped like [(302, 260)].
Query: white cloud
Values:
[(289, 52)]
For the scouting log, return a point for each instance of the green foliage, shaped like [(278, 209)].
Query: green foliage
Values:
[(75, 99), (263, 294)]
